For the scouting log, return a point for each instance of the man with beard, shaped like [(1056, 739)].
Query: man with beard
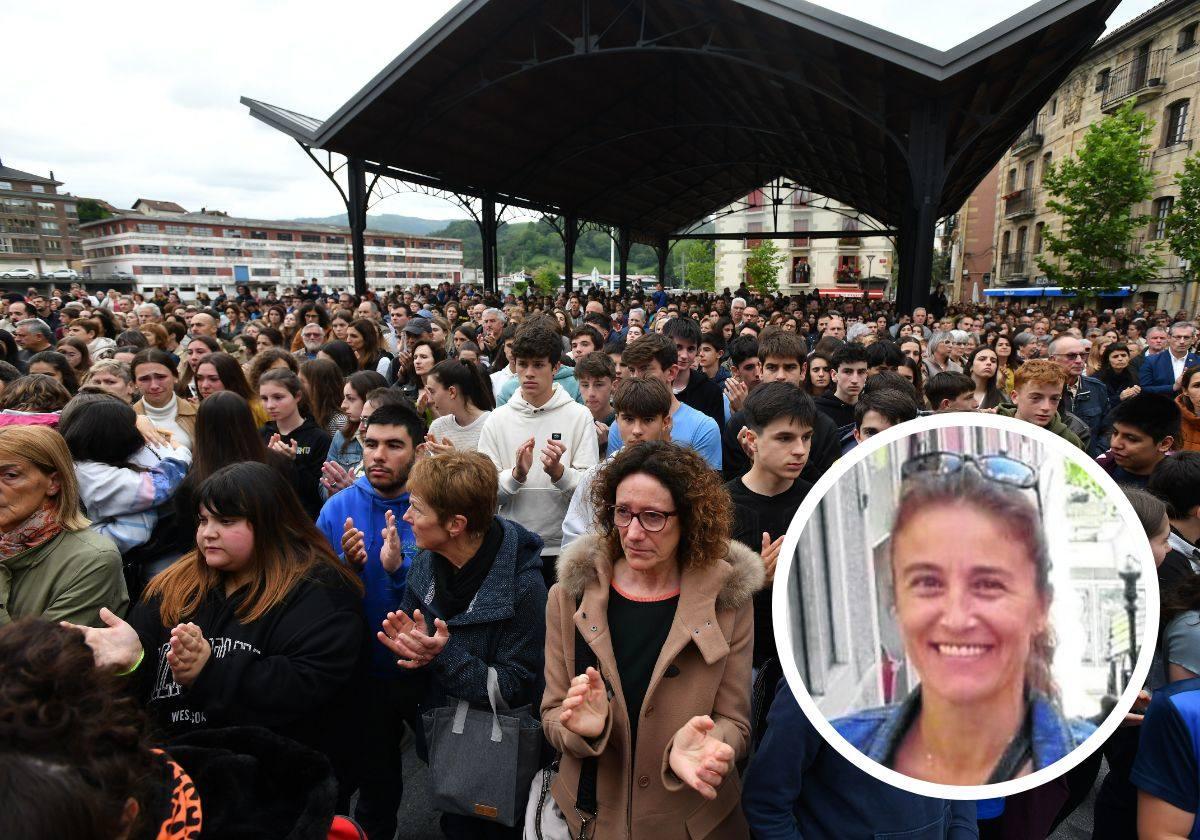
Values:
[(354, 521), (312, 336)]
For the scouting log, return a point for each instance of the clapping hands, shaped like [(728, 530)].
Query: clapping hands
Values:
[(407, 638), (188, 654), (699, 760)]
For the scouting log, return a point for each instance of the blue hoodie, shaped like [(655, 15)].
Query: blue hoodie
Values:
[(362, 503)]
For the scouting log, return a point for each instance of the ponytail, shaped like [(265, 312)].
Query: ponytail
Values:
[(469, 379)]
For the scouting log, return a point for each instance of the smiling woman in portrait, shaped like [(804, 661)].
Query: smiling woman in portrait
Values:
[(974, 613)]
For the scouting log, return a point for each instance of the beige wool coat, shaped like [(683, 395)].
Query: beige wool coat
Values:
[(703, 669)]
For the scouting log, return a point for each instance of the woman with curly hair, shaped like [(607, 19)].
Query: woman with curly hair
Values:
[(274, 359), (33, 400), (665, 603)]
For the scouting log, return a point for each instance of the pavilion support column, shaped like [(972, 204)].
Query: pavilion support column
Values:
[(623, 245), (356, 213), (662, 250), (918, 221), (570, 240), (487, 236)]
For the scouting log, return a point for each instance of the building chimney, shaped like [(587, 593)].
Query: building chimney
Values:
[(51, 174)]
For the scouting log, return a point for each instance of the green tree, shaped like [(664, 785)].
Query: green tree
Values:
[(699, 264), (90, 210), (546, 281), (762, 268), (520, 288), (1096, 193), (1183, 225)]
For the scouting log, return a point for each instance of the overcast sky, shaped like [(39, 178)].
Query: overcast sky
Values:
[(140, 99)]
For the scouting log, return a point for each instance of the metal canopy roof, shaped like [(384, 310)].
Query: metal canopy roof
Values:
[(651, 114)]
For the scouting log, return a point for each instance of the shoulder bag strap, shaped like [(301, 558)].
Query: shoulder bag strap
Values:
[(585, 796)]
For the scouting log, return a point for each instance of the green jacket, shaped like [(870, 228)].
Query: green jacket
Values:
[(68, 579), (1057, 426)]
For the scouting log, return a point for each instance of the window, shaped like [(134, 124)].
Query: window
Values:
[(379, 243), (180, 269), (1005, 240), (53, 246), (258, 234), (1054, 106), (51, 226), (284, 237), (37, 188), (1028, 174), (46, 207), (334, 240), (234, 252), (1187, 38), (200, 231), (205, 252), (1176, 123), (309, 237), (753, 201), (5, 185), (261, 272), (1012, 180), (231, 233), (149, 249), (1162, 209), (70, 208), (1038, 230), (1102, 79), (150, 269), (206, 270), (801, 196), (753, 227), (178, 250), (147, 228), (176, 230), (1047, 162)]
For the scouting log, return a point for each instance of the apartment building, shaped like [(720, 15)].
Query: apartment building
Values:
[(209, 252), (843, 266), (39, 226), (1152, 61)]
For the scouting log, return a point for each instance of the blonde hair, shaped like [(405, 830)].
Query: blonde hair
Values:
[(47, 451), (118, 368), (458, 482)]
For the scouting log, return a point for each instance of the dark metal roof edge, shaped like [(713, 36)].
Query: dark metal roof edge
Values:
[(425, 42), (270, 114), (1021, 25), (1134, 25)]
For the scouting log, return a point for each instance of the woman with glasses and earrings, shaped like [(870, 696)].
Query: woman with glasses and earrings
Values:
[(662, 603), (974, 614)]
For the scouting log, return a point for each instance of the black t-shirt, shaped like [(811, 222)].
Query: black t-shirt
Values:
[(312, 445), (826, 448), (639, 629), (752, 515)]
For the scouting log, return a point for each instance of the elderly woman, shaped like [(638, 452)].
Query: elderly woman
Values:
[(51, 565), (974, 613), (474, 598), (664, 602)]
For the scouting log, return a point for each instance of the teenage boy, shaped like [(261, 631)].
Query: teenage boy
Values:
[(949, 391), (849, 370), (353, 521), (541, 442), (1176, 480), (654, 355), (596, 374), (745, 371), (585, 340), (879, 410), (1144, 430), (643, 412), (692, 386), (1037, 391), (708, 359), (781, 358), (614, 350), (779, 431), (564, 376)]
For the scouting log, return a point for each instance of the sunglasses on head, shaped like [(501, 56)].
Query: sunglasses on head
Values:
[(998, 468)]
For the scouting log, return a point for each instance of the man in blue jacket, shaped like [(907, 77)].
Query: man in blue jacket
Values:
[(797, 786), (354, 520), (1160, 373), (1084, 396)]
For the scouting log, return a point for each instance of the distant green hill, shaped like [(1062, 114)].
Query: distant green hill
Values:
[(533, 245), (386, 221)]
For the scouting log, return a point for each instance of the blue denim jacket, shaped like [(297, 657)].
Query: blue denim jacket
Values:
[(878, 732)]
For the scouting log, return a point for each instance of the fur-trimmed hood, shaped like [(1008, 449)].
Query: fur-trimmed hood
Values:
[(579, 563)]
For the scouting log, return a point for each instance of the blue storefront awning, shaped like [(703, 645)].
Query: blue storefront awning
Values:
[(1053, 291)]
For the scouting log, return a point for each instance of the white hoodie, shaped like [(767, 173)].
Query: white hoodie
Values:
[(540, 504)]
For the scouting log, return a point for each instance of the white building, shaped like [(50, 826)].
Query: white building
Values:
[(839, 266), (207, 252)]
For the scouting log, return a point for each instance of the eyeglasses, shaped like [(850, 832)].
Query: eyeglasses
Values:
[(1080, 355), (652, 521), (999, 468)]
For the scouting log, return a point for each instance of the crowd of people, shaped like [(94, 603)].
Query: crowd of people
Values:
[(247, 544)]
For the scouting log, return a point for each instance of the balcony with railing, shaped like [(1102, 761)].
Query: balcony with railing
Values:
[(1020, 203), (1142, 78), (1015, 264), (1031, 138)]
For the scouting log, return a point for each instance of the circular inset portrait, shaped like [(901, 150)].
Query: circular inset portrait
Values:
[(965, 606)]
